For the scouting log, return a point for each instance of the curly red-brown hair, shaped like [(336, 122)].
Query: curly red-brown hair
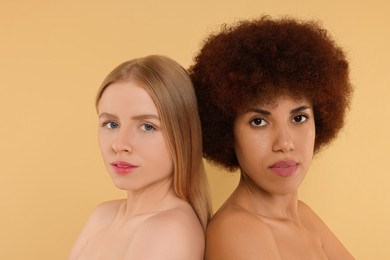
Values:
[(255, 61)]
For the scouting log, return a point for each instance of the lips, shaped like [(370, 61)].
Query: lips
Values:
[(121, 167), (284, 168)]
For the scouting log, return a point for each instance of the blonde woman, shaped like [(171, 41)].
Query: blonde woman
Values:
[(151, 144)]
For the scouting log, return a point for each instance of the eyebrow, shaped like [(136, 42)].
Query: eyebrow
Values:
[(137, 117), (299, 109), (107, 115), (267, 113), (146, 116), (260, 111)]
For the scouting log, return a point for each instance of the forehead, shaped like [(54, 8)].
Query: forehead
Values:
[(126, 96), (271, 102)]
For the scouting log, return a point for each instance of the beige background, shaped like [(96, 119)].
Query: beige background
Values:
[(53, 56)]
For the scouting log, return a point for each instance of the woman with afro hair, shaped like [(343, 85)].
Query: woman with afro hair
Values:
[(271, 94)]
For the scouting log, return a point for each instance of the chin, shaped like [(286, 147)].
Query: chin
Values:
[(123, 185)]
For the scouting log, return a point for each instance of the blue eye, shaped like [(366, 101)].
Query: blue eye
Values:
[(111, 125), (258, 122), (300, 119), (148, 127)]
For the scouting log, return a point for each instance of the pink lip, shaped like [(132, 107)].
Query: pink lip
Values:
[(121, 167), (284, 168)]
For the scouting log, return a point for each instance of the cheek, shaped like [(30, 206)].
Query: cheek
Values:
[(160, 152), (249, 148), (163, 163), (312, 134), (308, 138), (167, 157), (103, 143)]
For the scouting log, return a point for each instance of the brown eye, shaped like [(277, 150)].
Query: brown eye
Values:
[(300, 119), (258, 122)]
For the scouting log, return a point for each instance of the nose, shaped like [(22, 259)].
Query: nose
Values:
[(283, 140), (122, 142)]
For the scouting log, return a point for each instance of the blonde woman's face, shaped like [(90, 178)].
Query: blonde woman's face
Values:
[(131, 140)]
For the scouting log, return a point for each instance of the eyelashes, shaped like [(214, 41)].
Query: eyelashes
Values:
[(300, 118), (148, 127), (110, 124), (145, 127), (257, 122), (260, 122)]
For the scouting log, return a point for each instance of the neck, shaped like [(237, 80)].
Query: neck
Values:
[(265, 203), (153, 198)]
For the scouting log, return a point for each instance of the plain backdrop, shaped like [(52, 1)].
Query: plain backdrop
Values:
[(54, 55)]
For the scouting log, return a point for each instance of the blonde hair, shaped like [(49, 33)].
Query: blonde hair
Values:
[(170, 87)]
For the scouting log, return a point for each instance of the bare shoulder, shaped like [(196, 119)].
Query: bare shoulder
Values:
[(175, 233), (179, 219), (101, 216), (332, 246), (235, 233), (106, 212)]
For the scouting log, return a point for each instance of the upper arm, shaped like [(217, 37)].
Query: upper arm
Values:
[(81, 241), (239, 235), (171, 236), (331, 245), (100, 217)]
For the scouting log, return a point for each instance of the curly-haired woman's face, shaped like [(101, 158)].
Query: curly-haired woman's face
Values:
[(274, 143)]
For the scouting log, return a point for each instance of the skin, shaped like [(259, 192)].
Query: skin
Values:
[(263, 218), (152, 223)]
